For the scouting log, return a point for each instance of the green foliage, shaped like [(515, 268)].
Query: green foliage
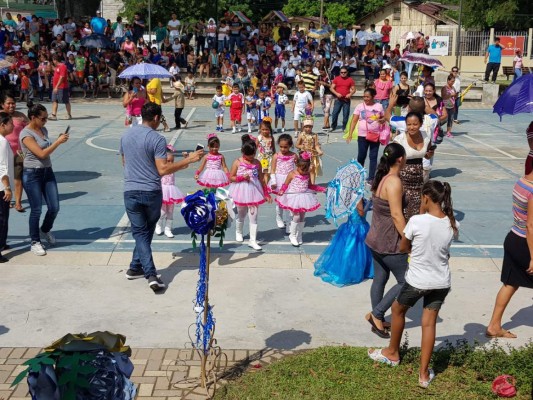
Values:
[(464, 371), (337, 11), (298, 8), (501, 15)]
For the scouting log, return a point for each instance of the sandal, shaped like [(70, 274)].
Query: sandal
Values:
[(377, 356), (20, 209), (52, 117), (505, 334), (425, 384), (381, 333)]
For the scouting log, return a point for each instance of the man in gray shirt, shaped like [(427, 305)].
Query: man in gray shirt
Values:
[(145, 161)]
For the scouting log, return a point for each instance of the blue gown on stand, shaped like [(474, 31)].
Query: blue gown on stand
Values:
[(347, 260)]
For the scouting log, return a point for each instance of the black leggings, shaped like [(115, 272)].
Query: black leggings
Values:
[(450, 112), (177, 117)]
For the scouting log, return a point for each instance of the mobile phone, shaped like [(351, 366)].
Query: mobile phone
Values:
[(432, 147), (66, 130), (199, 147)]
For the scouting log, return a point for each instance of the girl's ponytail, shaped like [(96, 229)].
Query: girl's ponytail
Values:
[(447, 206), (391, 153)]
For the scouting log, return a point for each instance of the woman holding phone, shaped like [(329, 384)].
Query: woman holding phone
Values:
[(133, 102), (38, 178)]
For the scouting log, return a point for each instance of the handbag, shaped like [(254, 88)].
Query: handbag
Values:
[(384, 134), (371, 136), (504, 386)]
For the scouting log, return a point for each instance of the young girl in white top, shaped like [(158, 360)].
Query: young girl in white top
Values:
[(428, 237)]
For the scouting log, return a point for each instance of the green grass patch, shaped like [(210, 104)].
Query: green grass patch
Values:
[(463, 371)]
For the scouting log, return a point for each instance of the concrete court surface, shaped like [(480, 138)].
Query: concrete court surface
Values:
[(261, 299)]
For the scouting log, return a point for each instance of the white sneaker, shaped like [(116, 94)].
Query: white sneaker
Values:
[(233, 130), (38, 249), (249, 130), (168, 233), (158, 229), (49, 237), (282, 130), (240, 129)]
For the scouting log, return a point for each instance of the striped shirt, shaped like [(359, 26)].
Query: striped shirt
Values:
[(522, 193), (529, 134), (310, 80)]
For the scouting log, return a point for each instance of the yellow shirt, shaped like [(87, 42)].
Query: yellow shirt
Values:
[(156, 98), (275, 33)]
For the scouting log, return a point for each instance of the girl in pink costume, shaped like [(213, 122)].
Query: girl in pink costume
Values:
[(283, 163), (216, 173), (296, 196), (248, 189), (171, 195)]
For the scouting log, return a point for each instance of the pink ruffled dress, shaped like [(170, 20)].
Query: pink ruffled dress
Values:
[(298, 198), (213, 176), (284, 165), (247, 193), (171, 194)]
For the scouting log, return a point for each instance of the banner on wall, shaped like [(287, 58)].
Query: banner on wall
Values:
[(511, 44), (439, 45)]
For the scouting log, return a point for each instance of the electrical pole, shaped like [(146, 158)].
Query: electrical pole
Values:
[(458, 47), (321, 12)]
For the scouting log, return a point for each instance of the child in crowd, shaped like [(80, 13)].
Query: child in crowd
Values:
[(90, 82), (218, 104), (24, 85), (280, 99), (263, 104), (236, 99), (308, 141), (427, 237), (251, 108), (213, 171), (171, 195), (267, 149), (283, 163), (190, 85), (248, 190), (174, 70), (302, 101), (295, 196), (179, 103)]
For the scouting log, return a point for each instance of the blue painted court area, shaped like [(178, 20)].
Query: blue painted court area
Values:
[(481, 163)]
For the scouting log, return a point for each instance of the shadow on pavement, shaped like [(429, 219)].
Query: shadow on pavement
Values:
[(521, 318), (73, 195), (3, 329), (473, 332), (445, 172), (75, 176), (288, 339)]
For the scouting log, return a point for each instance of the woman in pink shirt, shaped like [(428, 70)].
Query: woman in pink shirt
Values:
[(8, 104), (383, 89), (133, 101)]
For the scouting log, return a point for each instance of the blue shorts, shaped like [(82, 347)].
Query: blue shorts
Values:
[(279, 111)]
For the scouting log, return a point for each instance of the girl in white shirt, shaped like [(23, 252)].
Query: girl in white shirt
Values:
[(427, 237)]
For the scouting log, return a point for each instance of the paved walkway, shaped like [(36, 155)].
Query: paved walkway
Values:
[(159, 374)]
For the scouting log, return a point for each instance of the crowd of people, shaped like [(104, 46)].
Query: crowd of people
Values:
[(257, 65)]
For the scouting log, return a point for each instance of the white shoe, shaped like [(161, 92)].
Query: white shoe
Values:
[(38, 249), (282, 130), (168, 230), (299, 232), (288, 228), (293, 235), (233, 130), (279, 221), (253, 236), (158, 228), (238, 232), (49, 237), (240, 129), (249, 130)]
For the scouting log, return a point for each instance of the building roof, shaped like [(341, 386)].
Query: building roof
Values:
[(429, 8)]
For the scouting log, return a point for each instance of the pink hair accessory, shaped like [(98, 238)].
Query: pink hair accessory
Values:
[(170, 147), (211, 135), (306, 155)]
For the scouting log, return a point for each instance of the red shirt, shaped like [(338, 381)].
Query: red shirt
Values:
[(237, 101), (385, 31), (60, 71), (343, 86)]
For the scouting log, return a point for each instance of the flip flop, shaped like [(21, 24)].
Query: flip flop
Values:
[(20, 209), (381, 333), (377, 356), (505, 334), (425, 384)]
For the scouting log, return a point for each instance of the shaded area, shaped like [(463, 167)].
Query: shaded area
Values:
[(75, 176)]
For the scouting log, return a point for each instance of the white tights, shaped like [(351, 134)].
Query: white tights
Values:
[(167, 212), (298, 217), (252, 212)]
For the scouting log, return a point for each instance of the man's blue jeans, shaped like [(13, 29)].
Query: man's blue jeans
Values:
[(143, 209), (337, 107), (41, 183)]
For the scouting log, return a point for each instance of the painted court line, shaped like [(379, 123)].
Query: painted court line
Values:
[(491, 147)]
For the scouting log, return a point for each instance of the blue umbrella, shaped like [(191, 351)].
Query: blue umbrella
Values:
[(97, 41), (517, 98), (145, 71)]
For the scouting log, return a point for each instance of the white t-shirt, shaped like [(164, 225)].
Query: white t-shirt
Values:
[(301, 100), (431, 238), (220, 100), (223, 33), (295, 60), (411, 153), (57, 30), (361, 38), (174, 24)]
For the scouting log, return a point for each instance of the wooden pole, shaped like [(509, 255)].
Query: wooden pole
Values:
[(206, 305)]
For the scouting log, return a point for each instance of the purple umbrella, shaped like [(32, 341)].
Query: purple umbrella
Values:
[(517, 98)]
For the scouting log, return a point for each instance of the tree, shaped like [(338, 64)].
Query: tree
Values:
[(338, 11), (508, 14), (70, 8)]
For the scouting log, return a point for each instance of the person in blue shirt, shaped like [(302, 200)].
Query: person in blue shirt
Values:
[(494, 56), (98, 24)]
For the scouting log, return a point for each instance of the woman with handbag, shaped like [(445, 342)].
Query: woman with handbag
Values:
[(417, 146), (133, 101), (369, 118)]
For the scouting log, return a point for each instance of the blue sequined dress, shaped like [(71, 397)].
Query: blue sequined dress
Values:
[(347, 260)]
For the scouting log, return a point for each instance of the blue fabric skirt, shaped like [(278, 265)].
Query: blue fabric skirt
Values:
[(347, 260)]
